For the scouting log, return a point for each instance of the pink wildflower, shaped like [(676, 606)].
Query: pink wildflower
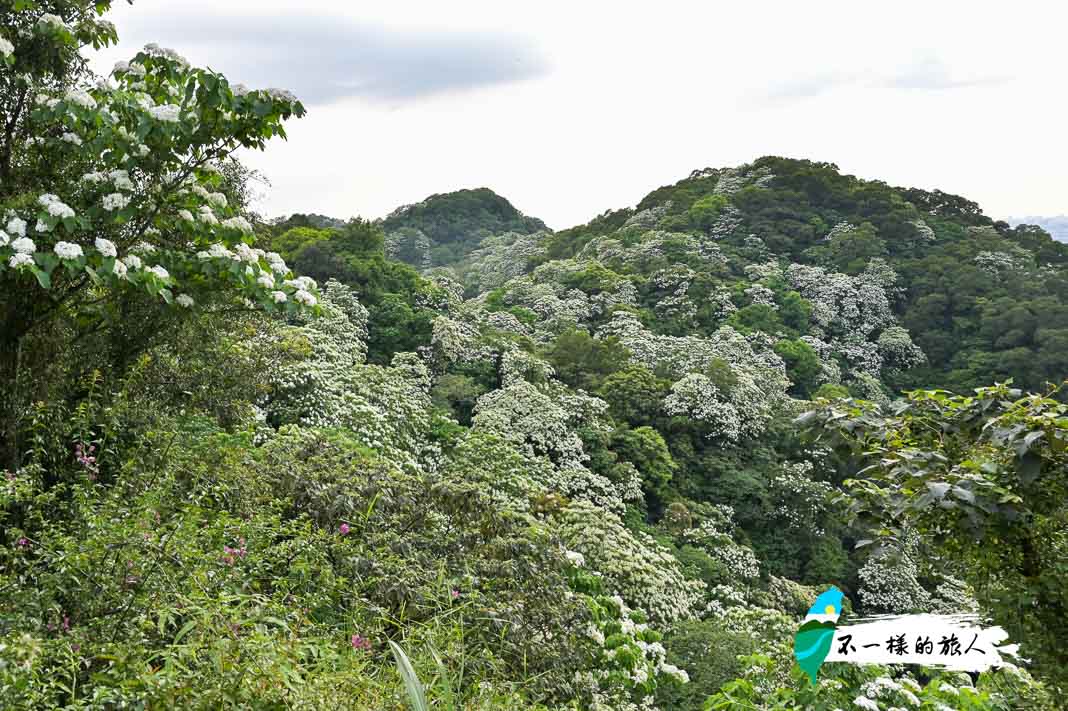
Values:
[(344, 529), (361, 643)]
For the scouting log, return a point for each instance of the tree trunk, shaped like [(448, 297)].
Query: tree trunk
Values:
[(13, 326), (10, 396)]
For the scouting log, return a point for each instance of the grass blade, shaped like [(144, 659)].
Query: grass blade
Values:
[(411, 681)]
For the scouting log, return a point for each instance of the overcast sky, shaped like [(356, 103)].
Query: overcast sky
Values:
[(571, 108)]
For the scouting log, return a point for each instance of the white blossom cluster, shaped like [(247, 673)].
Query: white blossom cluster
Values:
[(67, 250), (675, 304), (520, 366), (739, 560), (840, 229), (731, 180), (799, 500), (759, 376), (765, 270), (500, 258), (647, 219), (636, 568), (328, 384), (625, 667), (451, 290), (924, 231), (897, 350), (558, 306), (409, 241), (541, 420), (729, 220), (853, 322), (887, 691), (51, 22), (888, 582), (762, 295), (112, 113), (997, 263), (506, 321), (652, 248), (456, 341)]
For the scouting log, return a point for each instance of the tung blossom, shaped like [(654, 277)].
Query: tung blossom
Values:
[(159, 272), (106, 247), (238, 223), (16, 226), (20, 259), (55, 206), (81, 98), (68, 250), (282, 94), (121, 180), (220, 250), (24, 245), (168, 113), (207, 216), (115, 201), (50, 21)]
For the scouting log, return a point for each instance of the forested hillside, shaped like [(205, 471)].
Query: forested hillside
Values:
[(254, 464), (445, 229)]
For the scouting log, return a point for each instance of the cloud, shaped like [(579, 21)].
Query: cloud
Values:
[(803, 87), (930, 73), (324, 59), (926, 73)]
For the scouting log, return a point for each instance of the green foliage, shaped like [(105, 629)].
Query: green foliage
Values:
[(983, 477), (634, 395), (704, 212), (220, 507), (392, 291), (584, 362), (457, 222), (457, 394), (711, 654), (802, 366), (756, 317), (842, 685), (645, 448)]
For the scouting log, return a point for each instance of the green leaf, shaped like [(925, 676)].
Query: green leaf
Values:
[(1029, 466), (42, 278), (416, 695), (186, 628)]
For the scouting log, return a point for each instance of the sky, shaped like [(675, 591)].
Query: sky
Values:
[(572, 108)]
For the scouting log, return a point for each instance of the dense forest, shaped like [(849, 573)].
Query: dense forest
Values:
[(453, 459)]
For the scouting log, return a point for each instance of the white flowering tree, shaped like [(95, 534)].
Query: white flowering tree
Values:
[(113, 186)]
